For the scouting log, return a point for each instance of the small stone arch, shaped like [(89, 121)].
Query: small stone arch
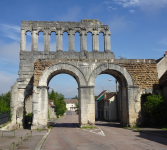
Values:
[(104, 68), (77, 31), (58, 68), (65, 30), (41, 30), (126, 96), (27, 31)]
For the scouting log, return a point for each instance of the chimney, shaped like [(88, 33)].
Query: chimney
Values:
[(105, 96)]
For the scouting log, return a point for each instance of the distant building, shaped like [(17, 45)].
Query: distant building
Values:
[(106, 106), (51, 107), (70, 104)]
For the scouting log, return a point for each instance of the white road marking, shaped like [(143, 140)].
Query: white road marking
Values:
[(94, 131)]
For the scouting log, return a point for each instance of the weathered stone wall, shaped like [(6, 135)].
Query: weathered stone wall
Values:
[(144, 74)]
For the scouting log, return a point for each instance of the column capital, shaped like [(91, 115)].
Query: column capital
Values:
[(86, 87), (40, 87)]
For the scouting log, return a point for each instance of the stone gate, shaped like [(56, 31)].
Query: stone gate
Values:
[(135, 76)]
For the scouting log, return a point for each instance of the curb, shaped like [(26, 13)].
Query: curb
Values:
[(154, 134), (38, 147), (150, 133)]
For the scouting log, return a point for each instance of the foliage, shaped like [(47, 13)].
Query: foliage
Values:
[(60, 105), (5, 102), (153, 104), (76, 97), (76, 105), (120, 57)]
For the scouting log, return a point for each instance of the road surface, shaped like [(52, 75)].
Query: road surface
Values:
[(66, 136)]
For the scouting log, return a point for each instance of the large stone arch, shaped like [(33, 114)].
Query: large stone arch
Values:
[(62, 68), (40, 95), (127, 88)]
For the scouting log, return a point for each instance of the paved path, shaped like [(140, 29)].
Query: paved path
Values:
[(30, 144), (65, 136)]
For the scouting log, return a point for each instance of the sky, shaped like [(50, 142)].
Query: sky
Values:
[(138, 31)]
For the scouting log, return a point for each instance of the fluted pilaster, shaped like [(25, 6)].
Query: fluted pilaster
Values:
[(71, 41), (95, 39), (23, 40), (107, 44), (34, 43), (83, 41), (47, 41), (59, 41)]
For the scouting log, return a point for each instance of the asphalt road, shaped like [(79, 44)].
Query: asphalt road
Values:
[(68, 113), (66, 136)]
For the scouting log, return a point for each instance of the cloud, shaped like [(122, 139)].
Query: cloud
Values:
[(71, 15), (10, 52), (119, 23), (160, 49), (111, 8), (163, 41), (131, 11), (146, 5), (10, 31), (7, 80)]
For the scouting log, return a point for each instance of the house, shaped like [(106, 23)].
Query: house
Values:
[(70, 104), (107, 106), (162, 74)]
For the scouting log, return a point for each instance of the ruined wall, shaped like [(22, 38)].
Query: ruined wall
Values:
[(144, 74)]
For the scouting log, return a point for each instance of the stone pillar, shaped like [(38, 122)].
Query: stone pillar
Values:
[(34, 43), (46, 41), (107, 44), (86, 105), (59, 40), (95, 39), (132, 112), (83, 41), (14, 101), (23, 40), (40, 107), (71, 41)]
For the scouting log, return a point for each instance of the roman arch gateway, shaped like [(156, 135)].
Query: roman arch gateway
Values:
[(135, 76)]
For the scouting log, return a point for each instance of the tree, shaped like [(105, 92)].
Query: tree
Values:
[(58, 98), (76, 97), (5, 102)]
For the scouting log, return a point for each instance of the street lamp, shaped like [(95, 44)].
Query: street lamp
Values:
[(115, 82)]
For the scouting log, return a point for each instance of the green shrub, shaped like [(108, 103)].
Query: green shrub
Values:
[(155, 106), (60, 105), (5, 102)]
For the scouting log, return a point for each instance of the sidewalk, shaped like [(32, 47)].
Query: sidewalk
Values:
[(153, 131), (30, 144)]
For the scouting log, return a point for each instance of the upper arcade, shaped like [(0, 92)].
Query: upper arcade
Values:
[(92, 26)]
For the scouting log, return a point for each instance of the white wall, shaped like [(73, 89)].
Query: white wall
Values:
[(162, 66)]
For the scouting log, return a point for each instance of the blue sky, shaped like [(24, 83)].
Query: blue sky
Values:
[(138, 31)]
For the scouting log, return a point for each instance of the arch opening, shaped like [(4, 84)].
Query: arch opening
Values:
[(89, 42), (28, 41), (77, 42), (40, 41), (65, 41), (101, 42), (53, 41), (123, 96)]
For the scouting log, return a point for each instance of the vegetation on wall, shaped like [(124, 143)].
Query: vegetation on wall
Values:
[(155, 106), (5, 102), (60, 105)]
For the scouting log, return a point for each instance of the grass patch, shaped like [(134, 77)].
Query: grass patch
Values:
[(88, 127)]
